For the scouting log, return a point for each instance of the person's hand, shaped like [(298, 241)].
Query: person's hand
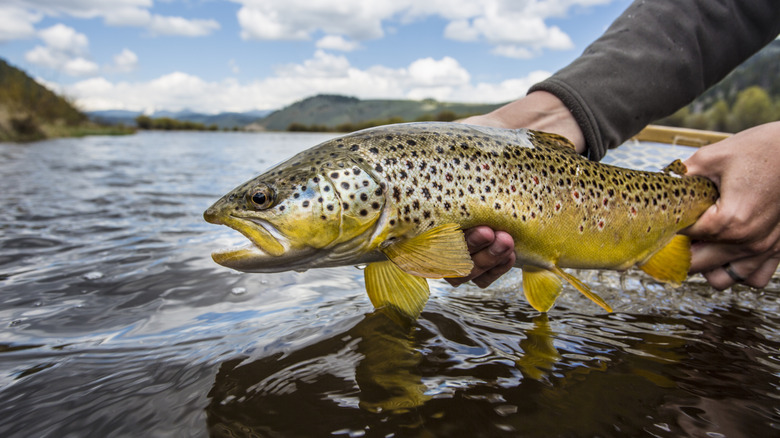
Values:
[(493, 253), (739, 236), (491, 250)]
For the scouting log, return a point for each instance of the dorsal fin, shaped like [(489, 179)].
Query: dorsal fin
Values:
[(676, 168), (554, 141)]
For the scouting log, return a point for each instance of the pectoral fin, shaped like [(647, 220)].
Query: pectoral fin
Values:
[(672, 263), (440, 252), (541, 287), (388, 285)]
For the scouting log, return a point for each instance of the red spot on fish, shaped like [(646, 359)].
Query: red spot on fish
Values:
[(633, 211), (601, 224), (606, 202), (514, 189), (557, 206), (536, 180), (486, 166), (576, 194)]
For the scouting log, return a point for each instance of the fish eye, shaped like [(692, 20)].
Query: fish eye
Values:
[(262, 197)]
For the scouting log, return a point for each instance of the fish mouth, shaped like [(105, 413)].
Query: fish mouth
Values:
[(265, 240)]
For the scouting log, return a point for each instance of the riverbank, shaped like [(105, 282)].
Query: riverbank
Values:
[(27, 128)]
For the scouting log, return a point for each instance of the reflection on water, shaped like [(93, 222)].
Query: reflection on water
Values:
[(116, 323)]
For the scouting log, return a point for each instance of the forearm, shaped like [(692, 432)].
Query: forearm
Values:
[(657, 57)]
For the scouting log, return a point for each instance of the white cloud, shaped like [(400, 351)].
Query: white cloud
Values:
[(64, 50), (80, 67), (511, 51), (515, 28), (65, 39), (234, 68), (17, 23), (443, 79), (428, 72), (160, 25), (299, 19), (125, 61), (337, 42), (511, 32)]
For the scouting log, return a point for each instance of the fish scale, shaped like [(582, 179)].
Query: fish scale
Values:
[(403, 192)]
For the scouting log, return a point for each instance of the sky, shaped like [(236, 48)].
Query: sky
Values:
[(214, 56)]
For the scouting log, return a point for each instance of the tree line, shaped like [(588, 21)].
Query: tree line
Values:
[(753, 106), (169, 124), (442, 116)]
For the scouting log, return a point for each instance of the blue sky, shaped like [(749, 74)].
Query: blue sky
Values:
[(239, 55)]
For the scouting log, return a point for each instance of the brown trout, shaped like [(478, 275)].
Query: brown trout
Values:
[(397, 198)]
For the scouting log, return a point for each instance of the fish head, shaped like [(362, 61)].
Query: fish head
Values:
[(301, 214)]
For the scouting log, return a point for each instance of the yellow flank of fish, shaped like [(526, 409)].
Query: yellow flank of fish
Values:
[(399, 196)]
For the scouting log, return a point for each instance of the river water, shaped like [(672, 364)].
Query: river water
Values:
[(115, 322)]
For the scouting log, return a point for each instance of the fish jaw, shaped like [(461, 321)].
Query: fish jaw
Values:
[(266, 243)]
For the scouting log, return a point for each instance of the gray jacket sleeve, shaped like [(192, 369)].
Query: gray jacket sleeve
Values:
[(655, 58)]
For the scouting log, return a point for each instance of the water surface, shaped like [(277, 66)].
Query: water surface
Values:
[(115, 322)]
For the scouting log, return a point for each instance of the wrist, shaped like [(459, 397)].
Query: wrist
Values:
[(538, 110)]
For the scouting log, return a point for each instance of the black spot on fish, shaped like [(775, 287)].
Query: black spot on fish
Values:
[(378, 167), (374, 150), (396, 194), (411, 142), (354, 148), (363, 213), (305, 204), (363, 197)]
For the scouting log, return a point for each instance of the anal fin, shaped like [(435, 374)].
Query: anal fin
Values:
[(541, 287), (388, 285), (672, 263), (583, 288)]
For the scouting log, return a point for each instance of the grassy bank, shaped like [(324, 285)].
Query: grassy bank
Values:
[(30, 111)]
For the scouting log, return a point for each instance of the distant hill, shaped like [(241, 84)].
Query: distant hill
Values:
[(333, 111), (25, 105), (228, 120), (748, 96), (30, 111), (762, 70)]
